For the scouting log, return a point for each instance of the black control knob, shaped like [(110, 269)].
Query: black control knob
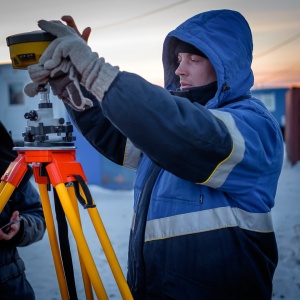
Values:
[(32, 115)]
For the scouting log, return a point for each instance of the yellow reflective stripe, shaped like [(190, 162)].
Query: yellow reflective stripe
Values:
[(221, 172), (132, 155), (207, 220)]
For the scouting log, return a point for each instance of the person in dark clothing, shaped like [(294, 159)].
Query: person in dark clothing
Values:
[(24, 209), (207, 154)]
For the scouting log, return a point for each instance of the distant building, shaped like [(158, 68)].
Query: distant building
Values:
[(274, 99)]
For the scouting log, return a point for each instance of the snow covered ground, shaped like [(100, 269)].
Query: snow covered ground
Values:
[(286, 218), (115, 208)]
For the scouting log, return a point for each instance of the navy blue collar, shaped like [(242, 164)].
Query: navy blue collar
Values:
[(201, 94)]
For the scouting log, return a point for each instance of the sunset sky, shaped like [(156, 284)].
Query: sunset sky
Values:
[(130, 33)]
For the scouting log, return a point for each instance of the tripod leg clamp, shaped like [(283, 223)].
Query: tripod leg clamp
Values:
[(89, 200)]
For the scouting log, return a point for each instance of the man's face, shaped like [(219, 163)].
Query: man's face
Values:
[(194, 70)]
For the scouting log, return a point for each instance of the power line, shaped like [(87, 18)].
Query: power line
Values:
[(280, 45), (152, 12)]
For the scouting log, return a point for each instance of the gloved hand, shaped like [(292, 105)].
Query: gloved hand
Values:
[(67, 44), (63, 81), (67, 88), (40, 76), (94, 73)]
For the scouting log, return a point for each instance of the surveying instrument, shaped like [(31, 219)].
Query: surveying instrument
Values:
[(49, 149)]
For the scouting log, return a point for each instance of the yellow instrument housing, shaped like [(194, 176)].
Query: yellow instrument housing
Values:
[(27, 48)]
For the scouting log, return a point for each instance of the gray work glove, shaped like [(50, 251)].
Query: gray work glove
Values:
[(63, 82), (94, 73), (40, 76)]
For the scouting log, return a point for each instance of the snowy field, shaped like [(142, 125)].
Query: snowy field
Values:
[(115, 208)]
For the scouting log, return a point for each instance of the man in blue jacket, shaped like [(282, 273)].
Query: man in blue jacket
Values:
[(24, 206), (207, 153)]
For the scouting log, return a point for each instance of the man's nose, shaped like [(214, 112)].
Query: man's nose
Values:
[(180, 70)]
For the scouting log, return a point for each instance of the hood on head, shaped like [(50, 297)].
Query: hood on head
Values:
[(224, 36)]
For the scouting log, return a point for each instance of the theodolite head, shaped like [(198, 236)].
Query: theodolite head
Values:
[(43, 130)]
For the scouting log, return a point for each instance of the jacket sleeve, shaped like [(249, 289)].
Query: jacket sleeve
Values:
[(213, 147), (104, 136), (26, 200), (183, 138)]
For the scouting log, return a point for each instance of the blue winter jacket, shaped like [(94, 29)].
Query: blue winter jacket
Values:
[(206, 174), (25, 199)]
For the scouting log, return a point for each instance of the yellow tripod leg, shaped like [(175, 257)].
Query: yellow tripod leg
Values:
[(110, 254), (109, 251), (53, 241), (6, 191), (83, 248), (85, 277), (2, 185)]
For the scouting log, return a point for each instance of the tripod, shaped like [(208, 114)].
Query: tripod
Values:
[(54, 164)]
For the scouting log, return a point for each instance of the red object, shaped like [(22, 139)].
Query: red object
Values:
[(292, 125), (49, 166)]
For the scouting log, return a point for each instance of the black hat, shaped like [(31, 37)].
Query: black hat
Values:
[(183, 47)]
